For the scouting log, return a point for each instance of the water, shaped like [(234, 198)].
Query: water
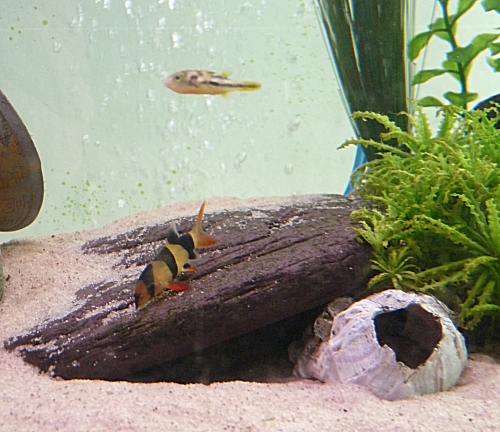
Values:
[(89, 87), (87, 80)]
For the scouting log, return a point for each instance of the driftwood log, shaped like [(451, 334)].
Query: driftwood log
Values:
[(269, 265)]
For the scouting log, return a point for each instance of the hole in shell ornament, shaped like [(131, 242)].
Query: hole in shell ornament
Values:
[(21, 180), (394, 343)]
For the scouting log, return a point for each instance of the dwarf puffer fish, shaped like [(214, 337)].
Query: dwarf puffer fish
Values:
[(206, 82)]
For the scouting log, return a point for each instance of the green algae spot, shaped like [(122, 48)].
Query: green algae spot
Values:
[(45, 22)]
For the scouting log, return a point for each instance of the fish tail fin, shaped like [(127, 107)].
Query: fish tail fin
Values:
[(201, 238), (250, 85)]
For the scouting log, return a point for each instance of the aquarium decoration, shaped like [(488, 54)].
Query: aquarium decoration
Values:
[(367, 40), (460, 59), (21, 179), (435, 224), (396, 344)]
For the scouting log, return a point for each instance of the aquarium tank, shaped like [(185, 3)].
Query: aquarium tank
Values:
[(115, 108)]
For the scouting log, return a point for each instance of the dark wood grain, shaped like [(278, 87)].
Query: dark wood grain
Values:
[(269, 265)]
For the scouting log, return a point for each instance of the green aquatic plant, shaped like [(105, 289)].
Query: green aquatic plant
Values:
[(459, 60), (367, 42), (435, 222)]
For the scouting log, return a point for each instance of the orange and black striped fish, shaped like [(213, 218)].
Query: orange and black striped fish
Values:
[(172, 260)]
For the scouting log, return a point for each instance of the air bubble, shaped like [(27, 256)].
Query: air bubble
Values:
[(210, 101), (105, 100), (121, 203), (176, 40), (303, 9), (239, 160), (85, 140), (244, 6), (56, 47), (288, 169), (112, 32), (151, 95), (212, 50), (172, 4), (171, 125), (107, 4), (174, 107), (119, 82), (140, 112), (128, 8)]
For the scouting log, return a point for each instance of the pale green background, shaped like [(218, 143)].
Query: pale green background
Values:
[(87, 79)]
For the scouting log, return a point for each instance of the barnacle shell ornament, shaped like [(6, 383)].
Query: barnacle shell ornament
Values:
[(396, 344)]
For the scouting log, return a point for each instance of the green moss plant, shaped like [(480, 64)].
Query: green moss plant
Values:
[(459, 59), (435, 222)]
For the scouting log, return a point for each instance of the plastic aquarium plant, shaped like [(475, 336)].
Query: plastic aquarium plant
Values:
[(459, 59), (367, 42), (435, 224)]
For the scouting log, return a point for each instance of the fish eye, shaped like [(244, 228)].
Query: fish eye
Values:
[(177, 77)]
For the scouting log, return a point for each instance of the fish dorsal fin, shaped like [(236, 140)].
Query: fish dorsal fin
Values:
[(200, 237), (172, 233)]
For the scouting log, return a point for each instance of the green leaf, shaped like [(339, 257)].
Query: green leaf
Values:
[(430, 101), (418, 43), (489, 5), (461, 55), (460, 99), (494, 48), (494, 63), (494, 225), (465, 55), (438, 28), (452, 68), (464, 6), (426, 75), (483, 41)]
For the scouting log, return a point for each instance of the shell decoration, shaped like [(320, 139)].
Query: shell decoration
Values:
[(394, 343)]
